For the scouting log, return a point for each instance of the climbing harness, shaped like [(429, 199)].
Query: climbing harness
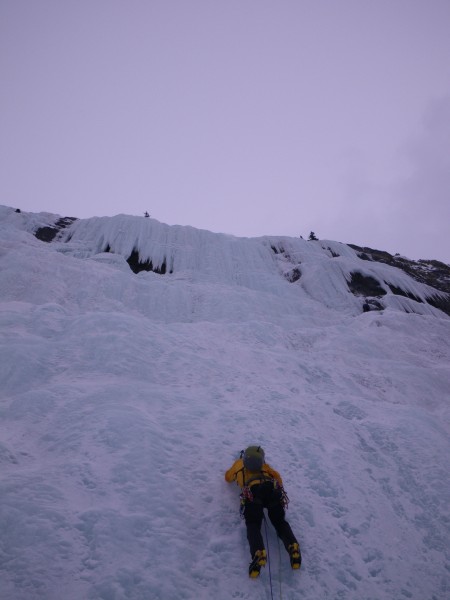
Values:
[(246, 493)]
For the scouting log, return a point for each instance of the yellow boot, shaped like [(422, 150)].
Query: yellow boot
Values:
[(259, 560), (295, 556)]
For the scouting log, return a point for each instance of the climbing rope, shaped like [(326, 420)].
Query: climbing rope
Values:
[(268, 557), (279, 566)]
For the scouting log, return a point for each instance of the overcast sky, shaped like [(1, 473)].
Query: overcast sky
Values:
[(249, 117)]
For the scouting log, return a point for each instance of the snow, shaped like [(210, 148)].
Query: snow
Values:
[(125, 397)]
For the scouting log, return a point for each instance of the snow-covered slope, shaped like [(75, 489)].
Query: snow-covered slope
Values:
[(125, 396)]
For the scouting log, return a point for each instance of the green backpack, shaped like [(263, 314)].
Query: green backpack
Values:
[(253, 458)]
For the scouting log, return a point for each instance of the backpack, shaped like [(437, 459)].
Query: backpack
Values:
[(253, 458)]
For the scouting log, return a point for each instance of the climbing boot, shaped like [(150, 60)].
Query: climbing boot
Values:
[(295, 556), (259, 560)]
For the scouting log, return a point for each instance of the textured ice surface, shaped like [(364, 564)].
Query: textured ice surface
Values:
[(125, 397)]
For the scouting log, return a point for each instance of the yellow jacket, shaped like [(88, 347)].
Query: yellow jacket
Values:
[(242, 476)]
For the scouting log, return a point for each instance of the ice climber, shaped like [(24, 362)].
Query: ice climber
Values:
[(262, 487)]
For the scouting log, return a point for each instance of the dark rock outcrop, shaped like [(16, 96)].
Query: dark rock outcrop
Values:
[(48, 233), (433, 273), (365, 285), (137, 265)]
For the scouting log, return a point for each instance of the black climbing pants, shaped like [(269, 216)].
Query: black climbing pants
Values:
[(265, 495)]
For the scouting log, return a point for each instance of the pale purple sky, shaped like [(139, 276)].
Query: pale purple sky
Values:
[(249, 117)]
